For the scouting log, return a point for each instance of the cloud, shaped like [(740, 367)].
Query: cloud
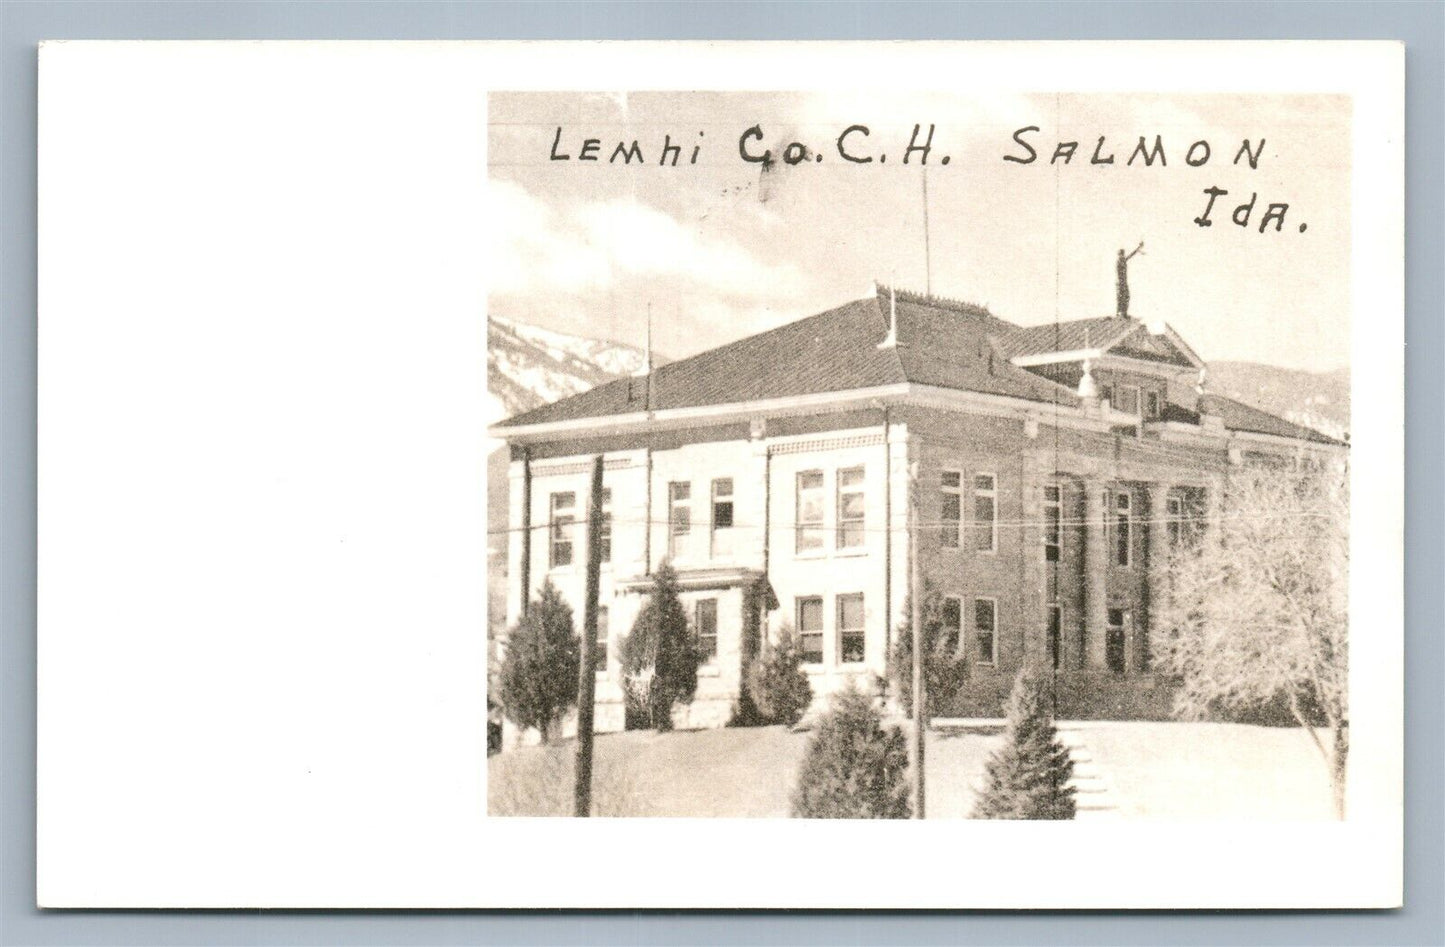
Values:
[(592, 245)]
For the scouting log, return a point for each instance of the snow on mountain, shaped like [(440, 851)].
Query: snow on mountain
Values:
[(528, 366)]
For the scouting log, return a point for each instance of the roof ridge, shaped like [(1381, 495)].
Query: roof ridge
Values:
[(938, 302)]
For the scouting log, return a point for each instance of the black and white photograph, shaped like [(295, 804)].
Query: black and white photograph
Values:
[(808, 403), (470, 474)]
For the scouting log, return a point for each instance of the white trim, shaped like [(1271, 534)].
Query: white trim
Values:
[(673, 418), (1184, 347), (1110, 361), (1053, 358), (1277, 439), (693, 580), (702, 414)]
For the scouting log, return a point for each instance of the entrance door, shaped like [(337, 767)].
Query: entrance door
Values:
[(1114, 643)]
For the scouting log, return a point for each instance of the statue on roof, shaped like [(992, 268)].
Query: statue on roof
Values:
[(1122, 284)]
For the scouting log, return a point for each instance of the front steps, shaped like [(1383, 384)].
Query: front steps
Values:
[(1094, 796)]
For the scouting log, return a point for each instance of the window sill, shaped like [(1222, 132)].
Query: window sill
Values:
[(709, 670), (814, 669), (821, 554), (850, 553)]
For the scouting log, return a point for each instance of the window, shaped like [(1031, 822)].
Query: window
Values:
[(985, 615), (1106, 395), (985, 510), (706, 621), (810, 630), (1053, 522), (600, 649), (679, 516), (1151, 404), (851, 635), (850, 508), (1114, 643), (722, 503), (952, 515), (559, 530), (1055, 634), (1175, 514), (604, 529), (810, 511), (1121, 529), (952, 633), (1129, 399), (722, 515)]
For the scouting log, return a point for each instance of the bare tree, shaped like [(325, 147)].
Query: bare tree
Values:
[(1257, 605)]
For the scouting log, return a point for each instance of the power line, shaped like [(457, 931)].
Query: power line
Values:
[(1110, 519)]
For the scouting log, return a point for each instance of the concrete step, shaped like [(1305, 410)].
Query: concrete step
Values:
[(1089, 787), (1082, 814)]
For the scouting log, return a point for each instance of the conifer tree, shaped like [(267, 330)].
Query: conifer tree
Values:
[(854, 768), (539, 671), (777, 684), (660, 655), (1028, 776)]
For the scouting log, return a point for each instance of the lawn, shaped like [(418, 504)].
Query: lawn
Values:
[(1180, 771), (1201, 771), (741, 773)]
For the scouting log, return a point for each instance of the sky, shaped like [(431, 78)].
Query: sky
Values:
[(723, 248)]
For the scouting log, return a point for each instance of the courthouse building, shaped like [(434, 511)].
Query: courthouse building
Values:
[(1051, 468)]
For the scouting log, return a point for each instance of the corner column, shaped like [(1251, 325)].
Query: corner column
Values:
[(1096, 565)]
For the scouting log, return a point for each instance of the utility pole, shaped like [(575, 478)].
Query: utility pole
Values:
[(920, 696), (587, 673)]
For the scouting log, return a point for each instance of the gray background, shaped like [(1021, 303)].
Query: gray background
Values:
[(1420, 24)]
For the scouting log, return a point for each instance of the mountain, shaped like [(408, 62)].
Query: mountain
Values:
[(528, 366), (1318, 400)]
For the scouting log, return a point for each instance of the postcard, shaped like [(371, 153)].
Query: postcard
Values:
[(473, 473)]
